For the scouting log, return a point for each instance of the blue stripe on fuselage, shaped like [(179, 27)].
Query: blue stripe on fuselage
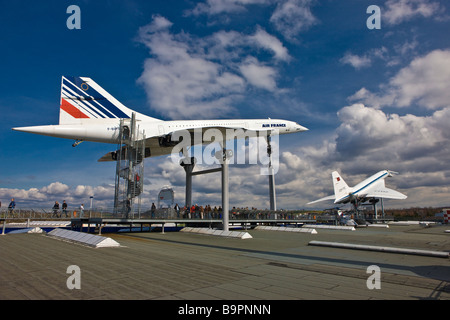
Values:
[(371, 182)]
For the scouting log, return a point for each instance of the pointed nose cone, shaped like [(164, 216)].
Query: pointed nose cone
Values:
[(301, 128), (45, 130), (24, 129)]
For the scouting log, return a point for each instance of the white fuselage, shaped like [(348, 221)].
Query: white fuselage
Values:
[(107, 130), (88, 112), (363, 188)]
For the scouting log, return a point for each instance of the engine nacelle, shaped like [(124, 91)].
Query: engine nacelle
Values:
[(166, 141)]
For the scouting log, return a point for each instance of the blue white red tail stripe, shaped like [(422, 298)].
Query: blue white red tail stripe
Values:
[(83, 99), (77, 98), (71, 94)]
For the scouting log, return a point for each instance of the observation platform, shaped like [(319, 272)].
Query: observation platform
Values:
[(99, 223)]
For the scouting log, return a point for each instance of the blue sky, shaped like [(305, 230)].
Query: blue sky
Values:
[(372, 99)]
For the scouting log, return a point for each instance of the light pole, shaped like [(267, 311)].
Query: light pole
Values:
[(90, 209)]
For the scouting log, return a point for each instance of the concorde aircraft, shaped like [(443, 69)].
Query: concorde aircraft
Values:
[(90, 113), (372, 187)]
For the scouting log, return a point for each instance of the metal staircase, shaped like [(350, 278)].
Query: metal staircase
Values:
[(129, 169)]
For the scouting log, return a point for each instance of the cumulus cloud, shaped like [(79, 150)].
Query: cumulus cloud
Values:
[(398, 11), (356, 61), (425, 82), (180, 81), (57, 191), (380, 139), (271, 43), (55, 188), (292, 17), (200, 77), (368, 140), (259, 75), (35, 194), (214, 7), (365, 60)]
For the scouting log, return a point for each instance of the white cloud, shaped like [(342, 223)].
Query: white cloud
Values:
[(355, 61), (258, 75), (398, 11), (406, 48), (215, 7), (382, 139), (46, 196), (181, 82), (292, 17), (83, 191), (55, 188), (294, 162), (365, 60), (19, 194), (159, 23), (367, 141), (267, 41), (425, 82), (201, 77)]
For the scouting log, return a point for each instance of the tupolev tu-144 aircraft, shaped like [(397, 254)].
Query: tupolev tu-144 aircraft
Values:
[(89, 113), (372, 187)]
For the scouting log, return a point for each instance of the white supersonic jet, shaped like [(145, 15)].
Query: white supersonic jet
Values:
[(89, 113), (372, 187)]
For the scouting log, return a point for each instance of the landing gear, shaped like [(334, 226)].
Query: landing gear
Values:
[(77, 142)]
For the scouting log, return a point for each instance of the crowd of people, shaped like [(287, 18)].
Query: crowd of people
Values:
[(192, 212), (207, 212), (198, 212), (58, 214), (57, 211)]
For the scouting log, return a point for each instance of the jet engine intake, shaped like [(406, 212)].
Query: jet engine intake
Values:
[(166, 141)]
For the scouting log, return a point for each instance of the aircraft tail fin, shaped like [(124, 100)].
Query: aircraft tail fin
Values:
[(341, 189), (82, 99)]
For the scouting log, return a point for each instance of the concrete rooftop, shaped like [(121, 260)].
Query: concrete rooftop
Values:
[(272, 265)]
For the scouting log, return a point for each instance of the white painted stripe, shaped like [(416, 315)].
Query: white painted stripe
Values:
[(438, 254), (221, 233), (85, 104), (88, 103), (77, 104)]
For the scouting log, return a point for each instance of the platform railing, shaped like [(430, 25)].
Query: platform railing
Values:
[(164, 213)]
